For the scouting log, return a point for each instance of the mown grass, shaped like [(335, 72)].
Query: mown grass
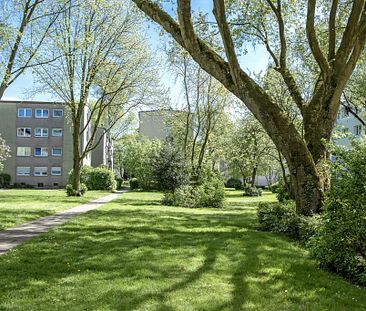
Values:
[(18, 206), (134, 254)]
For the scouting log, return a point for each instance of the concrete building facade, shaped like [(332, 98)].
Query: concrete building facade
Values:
[(40, 139)]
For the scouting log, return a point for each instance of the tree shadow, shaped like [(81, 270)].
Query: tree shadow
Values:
[(129, 257)]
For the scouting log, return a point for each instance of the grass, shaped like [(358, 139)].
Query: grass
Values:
[(134, 254), (18, 206)]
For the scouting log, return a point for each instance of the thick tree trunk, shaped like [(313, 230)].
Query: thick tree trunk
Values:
[(307, 185)]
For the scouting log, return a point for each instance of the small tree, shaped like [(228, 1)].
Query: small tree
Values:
[(169, 167)]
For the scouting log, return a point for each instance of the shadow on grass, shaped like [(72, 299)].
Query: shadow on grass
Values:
[(127, 257)]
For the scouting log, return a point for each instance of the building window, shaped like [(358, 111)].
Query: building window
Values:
[(41, 132), (42, 113), (40, 171), (24, 132), (56, 132), (25, 112), (56, 171), (58, 113), (345, 130), (57, 152), (23, 171), (24, 151), (358, 130), (41, 152)]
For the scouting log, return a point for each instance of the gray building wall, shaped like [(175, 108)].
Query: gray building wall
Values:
[(10, 122), (155, 124)]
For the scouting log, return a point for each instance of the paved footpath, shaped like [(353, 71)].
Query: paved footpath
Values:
[(12, 237)]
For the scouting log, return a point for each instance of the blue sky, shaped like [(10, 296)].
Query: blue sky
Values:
[(255, 60)]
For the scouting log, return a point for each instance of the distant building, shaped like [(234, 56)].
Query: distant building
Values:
[(349, 125), (158, 124), (40, 140)]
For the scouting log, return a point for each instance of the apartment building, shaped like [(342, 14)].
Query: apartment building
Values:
[(349, 125), (40, 139)]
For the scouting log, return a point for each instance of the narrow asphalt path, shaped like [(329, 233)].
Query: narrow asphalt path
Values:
[(12, 237)]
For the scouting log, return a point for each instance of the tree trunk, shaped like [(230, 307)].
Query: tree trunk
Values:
[(307, 185), (76, 159), (254, 174)]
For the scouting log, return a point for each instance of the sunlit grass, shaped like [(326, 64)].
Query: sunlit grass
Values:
[(21, 205), (135, 254)]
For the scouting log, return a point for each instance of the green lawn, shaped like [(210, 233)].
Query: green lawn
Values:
[(134, 254), (21, 205)]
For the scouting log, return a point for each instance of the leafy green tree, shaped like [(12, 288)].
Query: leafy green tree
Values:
[(170, 168), (324, 48), (102, 66), (138, 155)]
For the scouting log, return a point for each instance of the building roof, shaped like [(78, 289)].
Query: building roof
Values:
[(31, 102)]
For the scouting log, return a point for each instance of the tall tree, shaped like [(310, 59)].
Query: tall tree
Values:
[(102, 69), (333, 40)]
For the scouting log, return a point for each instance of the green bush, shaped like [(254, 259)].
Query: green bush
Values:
[(340, 244), (5, 180), (211, 193), (234, 183), (169, 168), (71, 192), (134, 184), (282, 218), (252, 192), (98, 178), (101, 179), (185, 196)]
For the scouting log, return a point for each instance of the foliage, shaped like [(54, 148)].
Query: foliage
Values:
[(234, 183), (97, 178), (281, 190), (282, 218), (169, 168), (4, 152), (209, 193), (340, 244), (252, 191), (4, 180), (134, 183), (101, 179), (71, 192), (139, 155), (249, 150)]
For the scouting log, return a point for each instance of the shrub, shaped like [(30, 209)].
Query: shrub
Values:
[(71, 192), (134, 183), (211, 193), (97, 178), (169, 168), (5, 180), (252, 192), (22, 185), (186, 196), (101, 179), (282, 218), (340, 244), (234, 183)]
